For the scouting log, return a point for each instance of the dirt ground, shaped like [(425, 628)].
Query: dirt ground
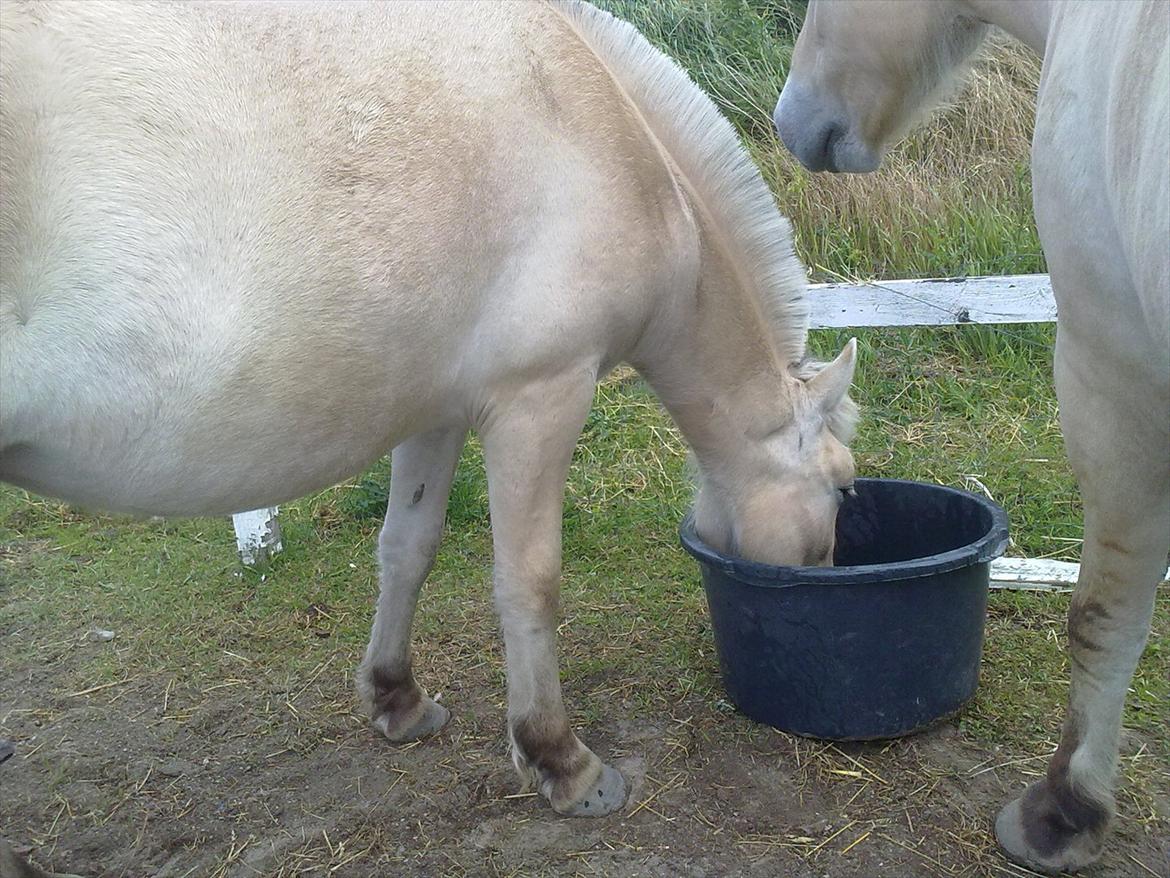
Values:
[(255, 777)]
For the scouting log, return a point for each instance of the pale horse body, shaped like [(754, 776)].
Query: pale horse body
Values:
[(246, 250), (1101, 180)]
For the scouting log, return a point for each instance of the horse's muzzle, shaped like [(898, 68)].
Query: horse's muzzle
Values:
[(818, 136)]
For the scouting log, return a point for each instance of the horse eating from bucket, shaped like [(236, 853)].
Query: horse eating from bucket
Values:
[(1101, 178), (247, 249)]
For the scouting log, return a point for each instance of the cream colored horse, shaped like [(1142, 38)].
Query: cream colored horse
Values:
[(1100, 164), (245, 250)]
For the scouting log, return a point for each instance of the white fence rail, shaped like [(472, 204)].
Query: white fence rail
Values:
[(1021, 298)]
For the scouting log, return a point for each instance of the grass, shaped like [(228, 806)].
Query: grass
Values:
[(967, 406)]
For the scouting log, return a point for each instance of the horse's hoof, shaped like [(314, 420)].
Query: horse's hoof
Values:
[(422, 721), (602, 796), (1034, 832), (399, 707)]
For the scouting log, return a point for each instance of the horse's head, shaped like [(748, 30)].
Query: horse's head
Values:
[(863, 71), (778, 503)]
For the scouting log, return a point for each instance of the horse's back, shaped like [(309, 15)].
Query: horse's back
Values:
[(246, 248)]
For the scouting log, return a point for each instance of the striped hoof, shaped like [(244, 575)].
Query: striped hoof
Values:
[(1051, 833)]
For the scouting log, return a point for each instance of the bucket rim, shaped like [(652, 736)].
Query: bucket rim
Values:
[(990, 545)]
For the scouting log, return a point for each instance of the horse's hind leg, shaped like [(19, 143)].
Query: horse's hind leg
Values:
[(422, 469), (1117, 442), (528, 445)]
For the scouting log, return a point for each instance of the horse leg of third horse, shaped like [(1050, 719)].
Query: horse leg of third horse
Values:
[(1117, 442), (421, 471)]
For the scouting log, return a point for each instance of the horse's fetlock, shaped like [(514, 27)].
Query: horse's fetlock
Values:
[(550, 759), (386, 688), (398, 706)]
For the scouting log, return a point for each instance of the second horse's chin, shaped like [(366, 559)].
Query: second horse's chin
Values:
[(853, 158)]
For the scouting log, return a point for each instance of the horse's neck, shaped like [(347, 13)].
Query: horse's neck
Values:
[(1026, 20), (716, 371)]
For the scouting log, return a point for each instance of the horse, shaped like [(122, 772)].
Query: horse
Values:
[(247, 249), (860, 75)]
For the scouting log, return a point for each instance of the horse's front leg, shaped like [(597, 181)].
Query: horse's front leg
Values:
[(1117, 445), (528, 444), (422, 469)]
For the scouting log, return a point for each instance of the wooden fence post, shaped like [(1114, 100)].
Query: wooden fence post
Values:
[(257, 535)]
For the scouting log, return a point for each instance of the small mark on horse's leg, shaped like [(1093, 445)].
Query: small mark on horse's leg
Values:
[(1082, 616), (1114, 546), (1089, 610), (418, 494), (1077, 637)]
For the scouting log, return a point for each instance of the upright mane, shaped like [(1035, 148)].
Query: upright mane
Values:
[(709, 155)]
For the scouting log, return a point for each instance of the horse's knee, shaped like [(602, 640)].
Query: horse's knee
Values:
[(1110, 611), (406, 554)]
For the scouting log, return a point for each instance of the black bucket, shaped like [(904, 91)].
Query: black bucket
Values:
[(881, 645)]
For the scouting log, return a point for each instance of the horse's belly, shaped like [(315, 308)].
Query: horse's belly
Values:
[(164, 484), (171, 403), (222, 453)]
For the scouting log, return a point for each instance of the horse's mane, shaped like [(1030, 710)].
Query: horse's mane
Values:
[(709, 155)]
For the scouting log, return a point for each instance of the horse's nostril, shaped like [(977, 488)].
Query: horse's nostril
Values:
[(833, 134)]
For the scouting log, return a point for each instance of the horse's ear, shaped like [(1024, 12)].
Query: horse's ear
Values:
[(830, 385)]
